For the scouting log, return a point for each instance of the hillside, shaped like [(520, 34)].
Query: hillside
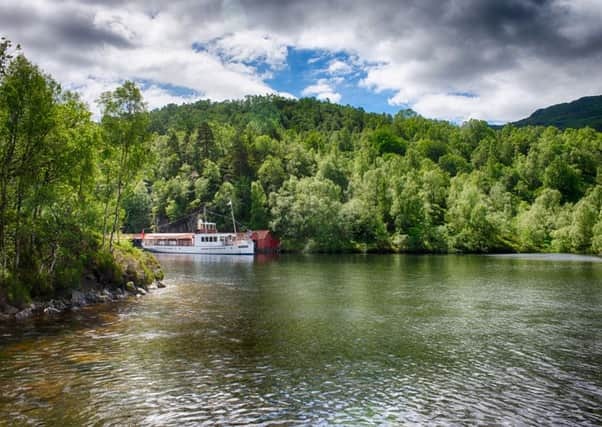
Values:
[(326, 177), (584, 112)]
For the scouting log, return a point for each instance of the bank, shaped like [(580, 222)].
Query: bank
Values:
[(108, 276)]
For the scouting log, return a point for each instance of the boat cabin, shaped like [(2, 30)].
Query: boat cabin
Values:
[(205, 227)]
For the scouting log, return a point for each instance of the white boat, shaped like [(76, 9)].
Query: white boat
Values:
[(205, 240)]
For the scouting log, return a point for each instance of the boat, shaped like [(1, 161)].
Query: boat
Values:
[(205, 240)]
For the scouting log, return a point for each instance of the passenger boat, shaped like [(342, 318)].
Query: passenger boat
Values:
[(205, 240)]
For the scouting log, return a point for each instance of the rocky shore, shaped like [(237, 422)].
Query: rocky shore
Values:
[(127, 272), (77, 299)]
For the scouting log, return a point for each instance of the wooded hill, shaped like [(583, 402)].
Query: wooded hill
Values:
[(329, 177), (577, 114)]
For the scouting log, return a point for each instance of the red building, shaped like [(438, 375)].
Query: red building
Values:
[(265, 242)]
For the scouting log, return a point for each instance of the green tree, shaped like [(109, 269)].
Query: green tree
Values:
[(125, 126), (536, 223), (137, 205), (306, 214), (205, 144), (385, 141), (259, 213)]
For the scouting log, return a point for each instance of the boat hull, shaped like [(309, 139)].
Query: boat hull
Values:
[(236, 249)]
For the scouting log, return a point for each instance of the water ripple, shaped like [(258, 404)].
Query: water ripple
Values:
[(449, 341)]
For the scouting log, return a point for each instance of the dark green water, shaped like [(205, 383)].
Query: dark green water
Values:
[(345, 340)]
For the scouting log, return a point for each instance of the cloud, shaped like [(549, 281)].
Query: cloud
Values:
[(322, 90), (512, 56), (249, 47), (156, 96), (339, 67), (515, 55)]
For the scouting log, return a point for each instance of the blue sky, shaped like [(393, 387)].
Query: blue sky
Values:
[(340, 72), (306, 67)]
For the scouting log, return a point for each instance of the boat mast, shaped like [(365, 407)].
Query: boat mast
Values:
[(232, 211)]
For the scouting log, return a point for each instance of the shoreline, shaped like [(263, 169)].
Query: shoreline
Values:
[(78, 298)]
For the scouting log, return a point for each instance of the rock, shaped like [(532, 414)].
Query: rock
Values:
[(152, 286), (160, 284), (51, 310), (60, 304), (24, 314), (130, 287), (5, 317), (10, 310), (101, 297), (141, 291), (90, 297), (78, 298)]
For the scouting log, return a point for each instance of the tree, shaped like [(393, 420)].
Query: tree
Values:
[(27, 98), (205, 144), (259, 214), (536, 223), (125, 126), (137, 205), (385, 141), (271, 174), (306, 214)]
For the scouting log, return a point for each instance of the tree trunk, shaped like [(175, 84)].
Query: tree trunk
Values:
[(106, 211), (119, 188), (6, 164)]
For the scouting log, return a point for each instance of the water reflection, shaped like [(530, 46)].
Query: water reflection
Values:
[(322, 339)]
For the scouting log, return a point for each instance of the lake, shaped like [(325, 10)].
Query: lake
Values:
[(322, 339)]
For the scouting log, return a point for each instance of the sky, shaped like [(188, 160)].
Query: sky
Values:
[(494, 60)]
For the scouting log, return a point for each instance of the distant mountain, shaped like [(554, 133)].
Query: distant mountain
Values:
[(586, 111)]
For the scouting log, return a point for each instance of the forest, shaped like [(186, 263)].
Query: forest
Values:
[(323, 177), (326, 177)]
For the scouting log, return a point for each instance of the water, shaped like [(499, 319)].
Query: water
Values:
[(344, 340)]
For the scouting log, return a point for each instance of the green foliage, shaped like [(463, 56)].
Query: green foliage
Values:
[(125, 128), (536, 223), (308, 207), (385, 141), (59, 172), (137, 205), (259, 202)]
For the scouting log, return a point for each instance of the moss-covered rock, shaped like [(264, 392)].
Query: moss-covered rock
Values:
[(126, 264)]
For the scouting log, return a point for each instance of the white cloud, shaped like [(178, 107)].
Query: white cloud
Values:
[(287, 95), (247, 46), (156, 97), (338, 67), (322, 90), (329, 96)]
